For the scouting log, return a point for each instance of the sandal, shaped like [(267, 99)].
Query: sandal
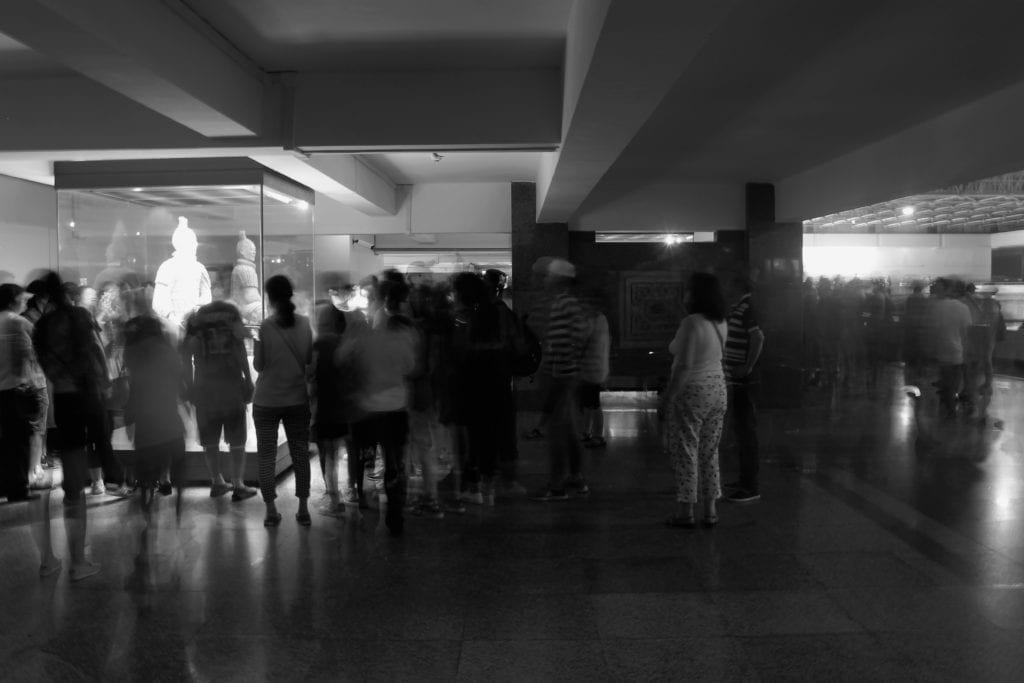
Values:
[(302, 519), (272, 520), (680, 521)]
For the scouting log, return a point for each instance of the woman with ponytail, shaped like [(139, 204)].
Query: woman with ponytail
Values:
[(283, 355)]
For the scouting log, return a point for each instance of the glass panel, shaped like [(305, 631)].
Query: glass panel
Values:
[(288, 243)]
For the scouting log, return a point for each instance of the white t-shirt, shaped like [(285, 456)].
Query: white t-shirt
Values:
[(697, 348), (950, 320)]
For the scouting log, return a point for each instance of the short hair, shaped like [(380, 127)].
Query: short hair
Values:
[(706, 296), (9, 293)]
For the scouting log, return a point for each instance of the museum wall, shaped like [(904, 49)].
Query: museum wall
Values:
[(639, 287), (28, 221)]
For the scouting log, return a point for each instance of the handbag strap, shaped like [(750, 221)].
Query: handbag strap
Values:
[(291, 347)]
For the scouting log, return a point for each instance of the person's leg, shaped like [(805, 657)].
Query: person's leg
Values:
[(713, 399), (745, 426), (209, 425), (682, 438), (266, 421), (393, 431), (39, 520), (15, 447), (949, 383), (574, 448), (296, 429), (561, 432), (38, 439), (71, 420), (235, 433)]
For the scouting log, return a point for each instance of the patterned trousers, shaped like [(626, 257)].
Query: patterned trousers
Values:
[(296, 428), (693, 428)]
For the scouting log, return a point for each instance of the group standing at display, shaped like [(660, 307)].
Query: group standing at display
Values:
[(401, 377)]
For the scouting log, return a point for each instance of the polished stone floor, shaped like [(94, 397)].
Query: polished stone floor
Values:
[(889, 545)]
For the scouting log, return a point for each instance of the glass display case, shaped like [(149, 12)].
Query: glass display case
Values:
[(188, 232)]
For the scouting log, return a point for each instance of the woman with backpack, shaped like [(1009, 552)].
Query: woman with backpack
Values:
[(283, 355), (693, 403)]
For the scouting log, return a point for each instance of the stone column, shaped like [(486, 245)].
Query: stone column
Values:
[(775, 258)]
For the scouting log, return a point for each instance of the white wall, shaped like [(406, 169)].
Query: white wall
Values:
[(28, 227), (427, 208), (898, 256)]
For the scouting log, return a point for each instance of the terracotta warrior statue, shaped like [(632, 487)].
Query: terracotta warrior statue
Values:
[(182, 282), (245, 282)]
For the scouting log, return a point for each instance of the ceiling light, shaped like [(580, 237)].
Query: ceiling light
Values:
[(907, 211), (302, 204), (71, 224), (136, 189), (279, 196)]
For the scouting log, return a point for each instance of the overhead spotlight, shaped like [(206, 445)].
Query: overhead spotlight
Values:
[(302, 204), (136, 189), (907, 211), (436, 157), (71, 224)]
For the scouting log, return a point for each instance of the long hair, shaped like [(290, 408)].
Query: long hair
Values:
[(706, 297), (279, 292), (9, 293)]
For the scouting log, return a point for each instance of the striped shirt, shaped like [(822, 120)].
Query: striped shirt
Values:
[(742, 322), (565, 337)]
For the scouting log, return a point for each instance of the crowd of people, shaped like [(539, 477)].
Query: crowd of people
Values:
[(946, 338)]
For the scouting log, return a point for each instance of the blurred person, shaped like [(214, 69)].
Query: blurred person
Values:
[(283, 355), (915, 333), (152, 417), (877, 314), (23, 404), (949, 324), (331, 410), (563, 347), (508, 441), (423, 447), (73, 362), (694, 401), (22, 395), (829, 314), (39, 303), (536, 319), (987, 329), (218, 383), (387, 357), (811, 334), (743, 346), (594, 373), (483, 339)]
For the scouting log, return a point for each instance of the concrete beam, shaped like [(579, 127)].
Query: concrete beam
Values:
[(981, 139), (351, 183), (621, 59), (433, 110), (147, 51)]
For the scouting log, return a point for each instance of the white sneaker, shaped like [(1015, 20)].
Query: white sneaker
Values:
[(98, 489)]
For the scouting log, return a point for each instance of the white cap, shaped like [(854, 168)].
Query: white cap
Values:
[(561, 268)]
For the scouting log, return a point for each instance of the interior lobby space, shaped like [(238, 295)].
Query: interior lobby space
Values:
[(858, 167)]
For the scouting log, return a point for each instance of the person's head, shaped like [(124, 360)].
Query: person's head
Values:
[(560, 275), (469, 289), (12, 298), (704, 296), (279, 295), (87, 297), (52, 290), (73, 292), (394, 292), (496, 281)]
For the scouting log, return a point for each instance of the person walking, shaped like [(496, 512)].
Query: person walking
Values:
[(283, 355), (694, 401), (219, 385), (743, 346), (593, 374), (563, 347), (74, 364)]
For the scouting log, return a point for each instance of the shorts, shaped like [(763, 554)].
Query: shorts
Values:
[(588, 396), (210, 424)]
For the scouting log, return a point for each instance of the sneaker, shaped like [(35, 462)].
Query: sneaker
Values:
[(743, 496), (98, 489), (218, 490), (242, 494), (551, 495), (165, 488), (123, 492), (472, 497)]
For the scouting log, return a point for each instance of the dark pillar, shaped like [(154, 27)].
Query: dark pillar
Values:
[(775, 257), (530, 241)]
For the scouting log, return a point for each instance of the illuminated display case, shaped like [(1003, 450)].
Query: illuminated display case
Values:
[(192, 231)]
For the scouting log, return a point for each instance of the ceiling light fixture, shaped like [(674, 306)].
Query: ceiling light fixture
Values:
[(907, 211), (136, 189)]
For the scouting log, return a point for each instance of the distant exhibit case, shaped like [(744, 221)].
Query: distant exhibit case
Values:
[(192, 231)]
